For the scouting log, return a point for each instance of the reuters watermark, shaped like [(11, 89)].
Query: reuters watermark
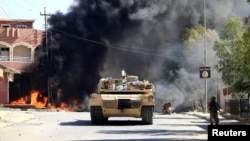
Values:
[(241, 132)]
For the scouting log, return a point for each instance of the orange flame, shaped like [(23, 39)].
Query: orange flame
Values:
[(36, 100), (41, 103)]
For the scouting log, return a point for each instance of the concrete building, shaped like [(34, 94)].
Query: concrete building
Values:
[(18, 42)]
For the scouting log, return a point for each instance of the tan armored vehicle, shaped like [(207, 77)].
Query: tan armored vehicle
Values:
[(122, 97)]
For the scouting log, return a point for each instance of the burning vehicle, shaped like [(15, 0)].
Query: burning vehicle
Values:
[(167, 108), (122, 97)]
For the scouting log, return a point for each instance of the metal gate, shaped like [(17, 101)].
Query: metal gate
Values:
[(238, 107)]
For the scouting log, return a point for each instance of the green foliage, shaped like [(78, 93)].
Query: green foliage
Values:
[(195, 36), (233, 51), (246, 43), (192, 35), (233, 28), (193, 40)]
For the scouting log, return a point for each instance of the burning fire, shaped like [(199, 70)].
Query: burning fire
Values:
[(72, 107), (37, 100)]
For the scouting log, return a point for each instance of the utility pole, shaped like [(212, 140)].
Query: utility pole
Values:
[(45, 14), (46, 29), (205, 52)]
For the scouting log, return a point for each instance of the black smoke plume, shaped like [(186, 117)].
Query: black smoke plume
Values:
[(99, 38)]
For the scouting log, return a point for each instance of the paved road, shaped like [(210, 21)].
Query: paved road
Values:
[(226, 119), (76, 126)]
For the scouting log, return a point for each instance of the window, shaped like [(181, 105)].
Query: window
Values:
[(22, 26), (5, 26), (4, 54), (4, 51)]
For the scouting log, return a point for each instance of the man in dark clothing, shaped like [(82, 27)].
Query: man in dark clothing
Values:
[(213, 107)]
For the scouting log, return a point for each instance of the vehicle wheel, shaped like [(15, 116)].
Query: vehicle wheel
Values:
[(147, 115), (96, 115)]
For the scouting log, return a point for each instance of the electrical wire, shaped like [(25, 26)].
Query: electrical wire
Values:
[(6, 13), (109, 45), (5, 6)]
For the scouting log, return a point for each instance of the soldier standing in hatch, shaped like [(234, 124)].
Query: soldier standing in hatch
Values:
[(213, 107)]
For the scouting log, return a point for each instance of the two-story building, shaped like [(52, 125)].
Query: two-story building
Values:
[(18, 42)]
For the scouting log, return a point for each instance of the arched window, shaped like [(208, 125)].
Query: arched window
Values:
[(22, 52)]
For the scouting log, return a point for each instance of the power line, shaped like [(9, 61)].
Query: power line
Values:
[(5, 7), (110, 45), (4, 11)]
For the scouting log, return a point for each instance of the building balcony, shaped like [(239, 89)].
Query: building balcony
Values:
[(4, 58), (21, 59), (16, 59)]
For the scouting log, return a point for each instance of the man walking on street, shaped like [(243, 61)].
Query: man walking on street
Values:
[(213, 107)]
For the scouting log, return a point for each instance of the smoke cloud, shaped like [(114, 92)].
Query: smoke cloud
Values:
[(99, 38)]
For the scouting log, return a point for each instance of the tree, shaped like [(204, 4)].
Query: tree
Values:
[(193, 39), (245, 84), (231, 52), (195, 36)]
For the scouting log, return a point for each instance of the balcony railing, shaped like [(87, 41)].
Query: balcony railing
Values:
[(21, 59), (15, 58), (4, 58)]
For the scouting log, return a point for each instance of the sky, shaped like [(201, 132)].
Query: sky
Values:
[(31, 9)]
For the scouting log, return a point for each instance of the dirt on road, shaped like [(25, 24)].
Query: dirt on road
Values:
[(13, 116)]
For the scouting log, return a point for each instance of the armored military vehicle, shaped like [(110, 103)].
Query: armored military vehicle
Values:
[(122, 97)]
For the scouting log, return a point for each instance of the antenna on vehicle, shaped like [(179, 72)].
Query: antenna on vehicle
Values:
[(123, 74)]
